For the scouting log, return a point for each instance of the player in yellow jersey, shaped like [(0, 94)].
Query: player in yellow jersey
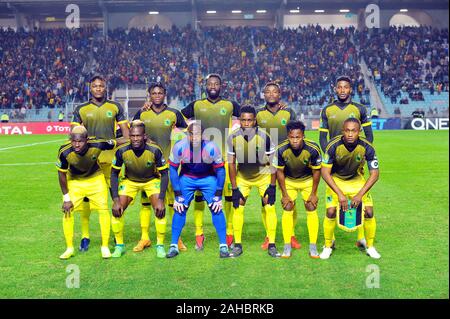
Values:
[(273, 117), (100, 117), (146, 170), (333, 116), (160, 121), (298, 162), (215, 115), (250, 152), (80, 176), (342, 170)]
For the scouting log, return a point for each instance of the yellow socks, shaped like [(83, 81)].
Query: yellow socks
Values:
[(312, 221), (271, 220), (68, 224), (105, 226), (85, 213), (328, 228), (117, 227), (238, 223), (160, 225), (145, 221), (199, 207), (370, 227), (287, 221), (228, 209)]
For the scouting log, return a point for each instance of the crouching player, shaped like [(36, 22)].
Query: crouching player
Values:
[(80, 176), (298, 163), (343, 171), (202, 169), (145, 170)]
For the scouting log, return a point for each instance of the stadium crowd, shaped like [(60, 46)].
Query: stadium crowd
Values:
[(49, 67), (409, 60)]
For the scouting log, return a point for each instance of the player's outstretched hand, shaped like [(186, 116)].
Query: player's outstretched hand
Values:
[(216, 205), (117, 209), (356, 200), (271, 194), (343, 202), (160, 209), (67, 207), (178, 204), (236, 197)]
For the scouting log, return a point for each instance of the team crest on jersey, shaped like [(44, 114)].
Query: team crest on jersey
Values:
[(358, 158), (121, 187), (149, 163), (352, 115), (329, 199), (223, 111), (283, 121), (58, 164), (166, 122), (109, 114), (305, 161), (94, 157)]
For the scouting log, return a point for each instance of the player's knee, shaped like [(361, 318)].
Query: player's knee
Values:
[(368, 212), (229, 198), (289, 207), (199, 198), (309, 207), (331, 212)]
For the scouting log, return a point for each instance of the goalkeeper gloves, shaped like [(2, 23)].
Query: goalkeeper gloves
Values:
[(270, 193), (236, 197)]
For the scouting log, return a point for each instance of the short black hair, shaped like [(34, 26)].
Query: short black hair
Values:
[(213, 75), (272, 84), (248, 109), (295, 125), (156, 85), (345, 78), (352, 120), (97, 77)]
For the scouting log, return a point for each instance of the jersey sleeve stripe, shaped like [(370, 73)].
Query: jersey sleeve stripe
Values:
[(366, 124), (162, 167), (323, 130), (276, 166), (218, 165), (61, 170), (116, 167), (75, 123), (319, 166), (122, 122), (326, 165), (173, 164)]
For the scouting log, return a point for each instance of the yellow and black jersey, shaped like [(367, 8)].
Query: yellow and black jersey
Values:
[(85, 164), (347, 162), (298, 164), (159, 125), (275, 123), (99, 120), (333, 116), (216, 115), (140, 165), (251, 149)]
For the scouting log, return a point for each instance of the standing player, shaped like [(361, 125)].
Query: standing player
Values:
[(213, 112), (145, 170), (100, 117), (252, 149), (80, 176), (201, 169), (342, 170), (273, 117), (298, 163), (333, 116), (159, 120)]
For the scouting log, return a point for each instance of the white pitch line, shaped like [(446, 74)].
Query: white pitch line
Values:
[(28, 145), (27, 164)]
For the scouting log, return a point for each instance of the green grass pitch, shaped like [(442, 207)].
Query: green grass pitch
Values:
[(411, 206)]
